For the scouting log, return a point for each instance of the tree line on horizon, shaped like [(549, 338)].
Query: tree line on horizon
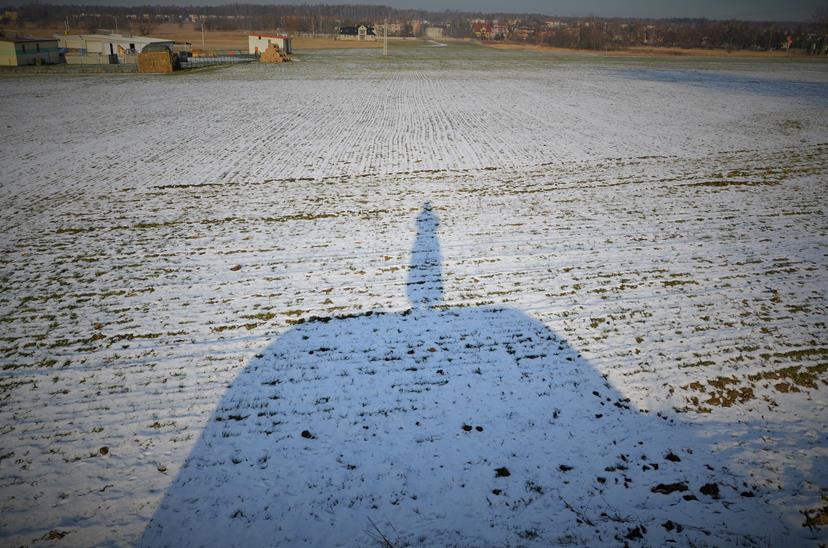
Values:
[(595, 33)]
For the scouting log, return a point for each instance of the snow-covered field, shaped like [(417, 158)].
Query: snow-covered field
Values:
[(459, 296)]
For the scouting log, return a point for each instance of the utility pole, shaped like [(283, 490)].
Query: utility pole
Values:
[(385, 38), (116, 23), (202, 32)]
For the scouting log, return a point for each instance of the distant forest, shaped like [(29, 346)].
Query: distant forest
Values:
[(585, 32)]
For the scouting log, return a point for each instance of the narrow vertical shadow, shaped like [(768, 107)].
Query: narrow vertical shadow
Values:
[(469, 426), (425, 277)]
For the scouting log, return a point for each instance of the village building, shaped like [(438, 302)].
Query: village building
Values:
[(361, 32), (500, 29), (434, 33), (101, 49), (394, 29), (482, 29), (28, 50), (258, 44)]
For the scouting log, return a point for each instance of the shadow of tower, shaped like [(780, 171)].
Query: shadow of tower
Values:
[(472, 426), (425, 276)]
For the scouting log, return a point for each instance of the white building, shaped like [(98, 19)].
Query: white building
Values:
[(434, 33), (394, 29), (25, 50), (361, 33), (258, 44)]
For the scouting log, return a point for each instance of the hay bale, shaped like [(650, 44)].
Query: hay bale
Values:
[(156, 61), (273, 55)]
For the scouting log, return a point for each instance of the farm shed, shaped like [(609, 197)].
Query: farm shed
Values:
[(258, 44), (105, 48), (28, 50)]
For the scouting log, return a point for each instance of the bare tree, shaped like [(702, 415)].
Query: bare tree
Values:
[(145, 26), (820, 17), (91, 24)]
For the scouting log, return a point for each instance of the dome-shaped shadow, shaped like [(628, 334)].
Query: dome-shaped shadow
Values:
[(471, 426)]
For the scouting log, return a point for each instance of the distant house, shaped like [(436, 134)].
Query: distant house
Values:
[(394, 29), (258, 44), (499, 29), (482, 29), (28, 50), (92, 49), (357, 33), (435, 33)]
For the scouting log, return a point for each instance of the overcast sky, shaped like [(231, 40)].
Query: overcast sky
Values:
[(761, 10), (780, 10), (774, 10)]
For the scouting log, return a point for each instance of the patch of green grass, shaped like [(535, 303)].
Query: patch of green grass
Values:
[(670, 283)]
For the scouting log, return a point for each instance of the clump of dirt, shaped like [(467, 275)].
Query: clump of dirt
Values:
[(668, 488), (711, 490), (816, 518), (636, 533), (670, 526), (54, 534)]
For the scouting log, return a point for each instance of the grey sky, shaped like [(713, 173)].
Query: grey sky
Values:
[(770, 10), (776, 10)]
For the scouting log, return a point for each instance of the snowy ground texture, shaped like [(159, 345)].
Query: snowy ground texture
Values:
[(455, 297)]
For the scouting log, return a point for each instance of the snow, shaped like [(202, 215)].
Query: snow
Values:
[(452, 237)]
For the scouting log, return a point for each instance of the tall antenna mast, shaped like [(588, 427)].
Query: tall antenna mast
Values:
[(385, 38)]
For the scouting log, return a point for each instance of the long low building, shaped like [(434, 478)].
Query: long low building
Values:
[(28, 50), (105, 48), (258, 44)]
